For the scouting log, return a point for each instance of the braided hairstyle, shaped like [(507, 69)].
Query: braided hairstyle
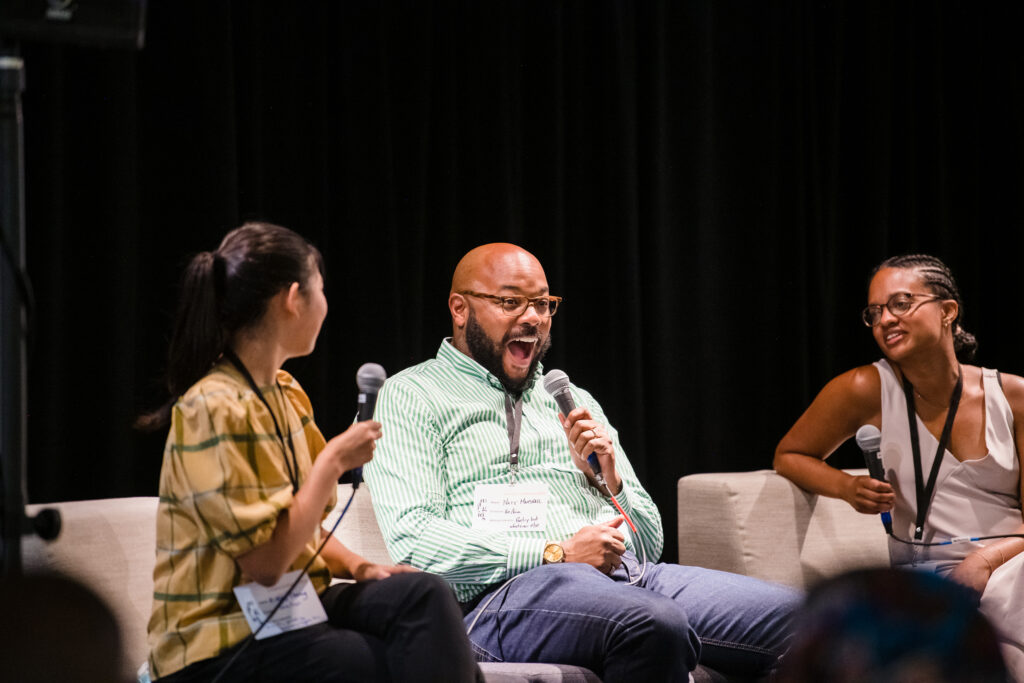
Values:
[(225, 291), (937, 276)]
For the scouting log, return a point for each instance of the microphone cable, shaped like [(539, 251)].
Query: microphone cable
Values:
[(632, 582), (489, 600), (369, 377), (252, 636), (951, 541), (635, 534)]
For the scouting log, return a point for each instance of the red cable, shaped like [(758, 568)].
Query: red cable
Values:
[(623, 512)]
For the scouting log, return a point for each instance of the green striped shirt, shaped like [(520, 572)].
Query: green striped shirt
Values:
[(445, 433)]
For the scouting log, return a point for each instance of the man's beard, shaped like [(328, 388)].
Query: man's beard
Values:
[(489, 354)]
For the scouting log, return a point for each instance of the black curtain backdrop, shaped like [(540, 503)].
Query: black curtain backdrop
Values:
[(707, 182)]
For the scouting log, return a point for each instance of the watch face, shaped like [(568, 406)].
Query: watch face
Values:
[(553, 553)]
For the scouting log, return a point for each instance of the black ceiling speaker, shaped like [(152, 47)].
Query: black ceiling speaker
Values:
[(91, 23)]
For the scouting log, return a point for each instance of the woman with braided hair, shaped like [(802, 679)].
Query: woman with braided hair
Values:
[(952, 435)]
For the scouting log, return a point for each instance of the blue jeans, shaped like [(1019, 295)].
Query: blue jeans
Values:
[(658, 630)]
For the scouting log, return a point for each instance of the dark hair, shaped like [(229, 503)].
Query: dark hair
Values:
[(225, 291), (939, 278), (890, 625)]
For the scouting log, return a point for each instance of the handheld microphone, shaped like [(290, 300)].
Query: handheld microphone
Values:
[(869, 439), (369, 378), (557, 384)]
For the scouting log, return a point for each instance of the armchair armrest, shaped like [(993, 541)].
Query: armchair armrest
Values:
[(761, 524)]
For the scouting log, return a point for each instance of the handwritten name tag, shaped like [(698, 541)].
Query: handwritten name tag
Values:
[(520, 507), (301, 608)]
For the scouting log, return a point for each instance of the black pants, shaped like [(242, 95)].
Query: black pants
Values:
[(407, 627)]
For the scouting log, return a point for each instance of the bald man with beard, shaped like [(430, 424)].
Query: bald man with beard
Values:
[(480, 479)]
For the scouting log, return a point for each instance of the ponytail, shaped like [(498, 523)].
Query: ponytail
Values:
[(964, 344), (197, 338), (225, 291)]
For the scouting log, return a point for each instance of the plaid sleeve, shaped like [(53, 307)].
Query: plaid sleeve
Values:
[(228, 468)]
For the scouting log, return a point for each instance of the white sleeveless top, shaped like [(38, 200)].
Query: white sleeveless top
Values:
[(972, 498)]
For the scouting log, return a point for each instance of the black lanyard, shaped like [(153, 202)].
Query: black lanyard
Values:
[(514, 419), (293, 466), (925, 492)]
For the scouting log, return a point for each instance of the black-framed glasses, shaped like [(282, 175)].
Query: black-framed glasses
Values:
[(546, 306), (899, 304)]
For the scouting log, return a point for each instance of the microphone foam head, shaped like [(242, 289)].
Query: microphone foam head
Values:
[(556, 381), (370, 377), (869, 438)]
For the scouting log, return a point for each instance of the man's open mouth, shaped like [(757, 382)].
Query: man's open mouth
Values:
[(521, 348)]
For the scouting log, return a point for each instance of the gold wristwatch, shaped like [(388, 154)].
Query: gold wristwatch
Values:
[(553, 553)]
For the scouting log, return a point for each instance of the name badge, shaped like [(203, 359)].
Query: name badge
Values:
[(503, 507), (301, 608)]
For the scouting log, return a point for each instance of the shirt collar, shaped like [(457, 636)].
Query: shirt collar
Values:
[(466, 365)]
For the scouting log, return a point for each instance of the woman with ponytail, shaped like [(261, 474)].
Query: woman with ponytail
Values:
[(951, 439), (247, 479)]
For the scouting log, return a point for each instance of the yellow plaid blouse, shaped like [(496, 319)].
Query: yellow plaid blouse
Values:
[(222, 484)]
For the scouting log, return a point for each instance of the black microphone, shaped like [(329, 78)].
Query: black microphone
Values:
[(557, 384), (870, 440), (369, 378)]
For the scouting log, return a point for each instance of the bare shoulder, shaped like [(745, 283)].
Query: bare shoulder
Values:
[(847, 401), (861, 387)]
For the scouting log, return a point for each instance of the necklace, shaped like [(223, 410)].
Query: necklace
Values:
[(929, 401)]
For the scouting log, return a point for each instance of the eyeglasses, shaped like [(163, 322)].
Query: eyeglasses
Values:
[(546, 306), (899, 304)]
